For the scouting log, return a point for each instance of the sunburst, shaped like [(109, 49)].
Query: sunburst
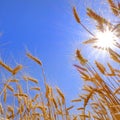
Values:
[(106, 39)]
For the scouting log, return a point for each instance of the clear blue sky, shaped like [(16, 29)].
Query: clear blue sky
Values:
[(49, 31)]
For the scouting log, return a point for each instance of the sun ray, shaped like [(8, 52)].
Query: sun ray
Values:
[(106, 39)]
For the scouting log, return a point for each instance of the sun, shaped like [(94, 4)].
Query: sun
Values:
[(105, 39)]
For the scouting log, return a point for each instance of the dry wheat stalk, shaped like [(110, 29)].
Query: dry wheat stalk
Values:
[(13, 80), (117, 91), (6, 66), (16, 69), (76, 15), (113, 7), (1, 109), (5, 95), (115, 56), (35, 97), (76, 100), (34, 58), (100, 67), (20, 94), (35, 88), (69, 108), (55, 103), (9, 87), (90, 41), (61, 95), (79, 56), (78, 21), (81, 68), (10, 109), (30, 79), (97, 17)]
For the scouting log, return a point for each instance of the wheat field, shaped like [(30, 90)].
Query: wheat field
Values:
[(101, 98)]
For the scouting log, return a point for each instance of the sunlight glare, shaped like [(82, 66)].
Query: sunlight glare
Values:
[(105, 39)]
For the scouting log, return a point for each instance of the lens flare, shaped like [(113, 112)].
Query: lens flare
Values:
[(106, 39)]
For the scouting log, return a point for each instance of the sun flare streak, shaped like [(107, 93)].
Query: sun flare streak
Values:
[(106, 39)]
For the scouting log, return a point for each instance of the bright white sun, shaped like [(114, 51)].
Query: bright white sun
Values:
[(105, 39)]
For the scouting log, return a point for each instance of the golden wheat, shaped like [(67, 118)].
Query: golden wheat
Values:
[(113, 7), (30, 79), (76, 15), (34, 58), (6, 66), (100, 99), (61, 95), (16, 69)]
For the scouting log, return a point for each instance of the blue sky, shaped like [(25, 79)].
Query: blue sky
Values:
[(47, 28), (49, 31)]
